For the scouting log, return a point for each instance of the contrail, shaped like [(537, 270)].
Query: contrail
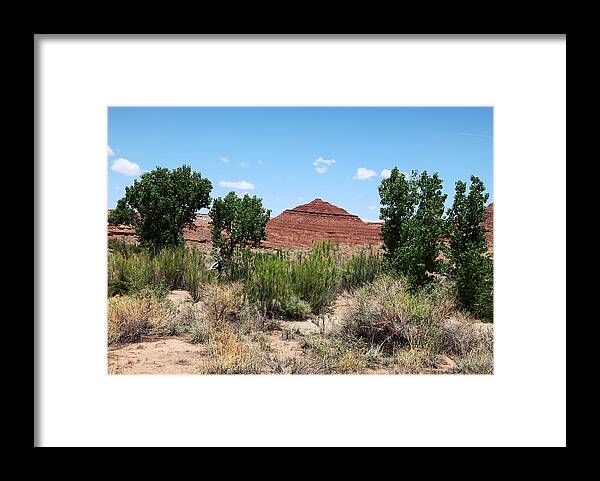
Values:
[(477, 135)]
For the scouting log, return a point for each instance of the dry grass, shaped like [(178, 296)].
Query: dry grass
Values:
[(132, 318), (383, 329), (414, 361), (228, 354), (477, 361)]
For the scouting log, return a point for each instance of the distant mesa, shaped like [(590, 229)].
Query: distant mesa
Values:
[(316, 221), (301, 226)]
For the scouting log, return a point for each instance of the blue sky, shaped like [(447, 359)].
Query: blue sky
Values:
[(291, 155)]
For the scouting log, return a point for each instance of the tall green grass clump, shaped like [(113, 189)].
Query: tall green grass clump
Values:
[(131, 272), (268, 282), (361, 269), (196, 273), (239, 265), (170, 265), (315, 276), (116, 245)]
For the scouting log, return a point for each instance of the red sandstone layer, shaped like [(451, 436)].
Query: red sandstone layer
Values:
[(303, 225)]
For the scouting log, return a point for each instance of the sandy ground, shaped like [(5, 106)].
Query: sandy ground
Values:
[(166, 356), (173, 355)]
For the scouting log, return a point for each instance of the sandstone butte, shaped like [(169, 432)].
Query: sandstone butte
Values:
[(301, 226)]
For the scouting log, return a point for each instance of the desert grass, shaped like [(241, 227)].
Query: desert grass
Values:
[(383, 326), (132, 270), (130, 318)]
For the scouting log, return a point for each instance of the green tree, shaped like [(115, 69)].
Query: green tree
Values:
[(469, 265), (412, 211), (166, 201), (237, 221), (122, 214)]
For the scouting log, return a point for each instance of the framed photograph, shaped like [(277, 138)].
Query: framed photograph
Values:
[(270, 235)]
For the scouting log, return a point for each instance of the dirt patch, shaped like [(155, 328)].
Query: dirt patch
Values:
[(167, 356), (180, 298)]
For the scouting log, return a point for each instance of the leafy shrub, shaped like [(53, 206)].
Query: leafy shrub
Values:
[(169, 266), (131, 271), (315, 277), (268, 282), (137, 272), (388, 315), (196, 274), (239, 265), (361, 269), (225, 304), (296, 308)]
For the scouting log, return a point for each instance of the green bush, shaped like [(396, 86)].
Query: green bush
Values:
[(196, 273), (268, 282), (170, 265), (296, 308), (388, 315), (361, 269), (315, 276), (238, 266), (171, 268)]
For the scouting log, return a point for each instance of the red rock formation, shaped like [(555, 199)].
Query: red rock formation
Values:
[(199, 234), (489, 225), (315, 221), (302, 225)]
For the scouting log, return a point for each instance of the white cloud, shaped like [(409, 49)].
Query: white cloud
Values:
[(362, 173), (260, 162), (322, 164), (386, 174), (373, 207), (126, 167), (243, 164), (225, 160), (321, 160), (241, 185), (109, 151)]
